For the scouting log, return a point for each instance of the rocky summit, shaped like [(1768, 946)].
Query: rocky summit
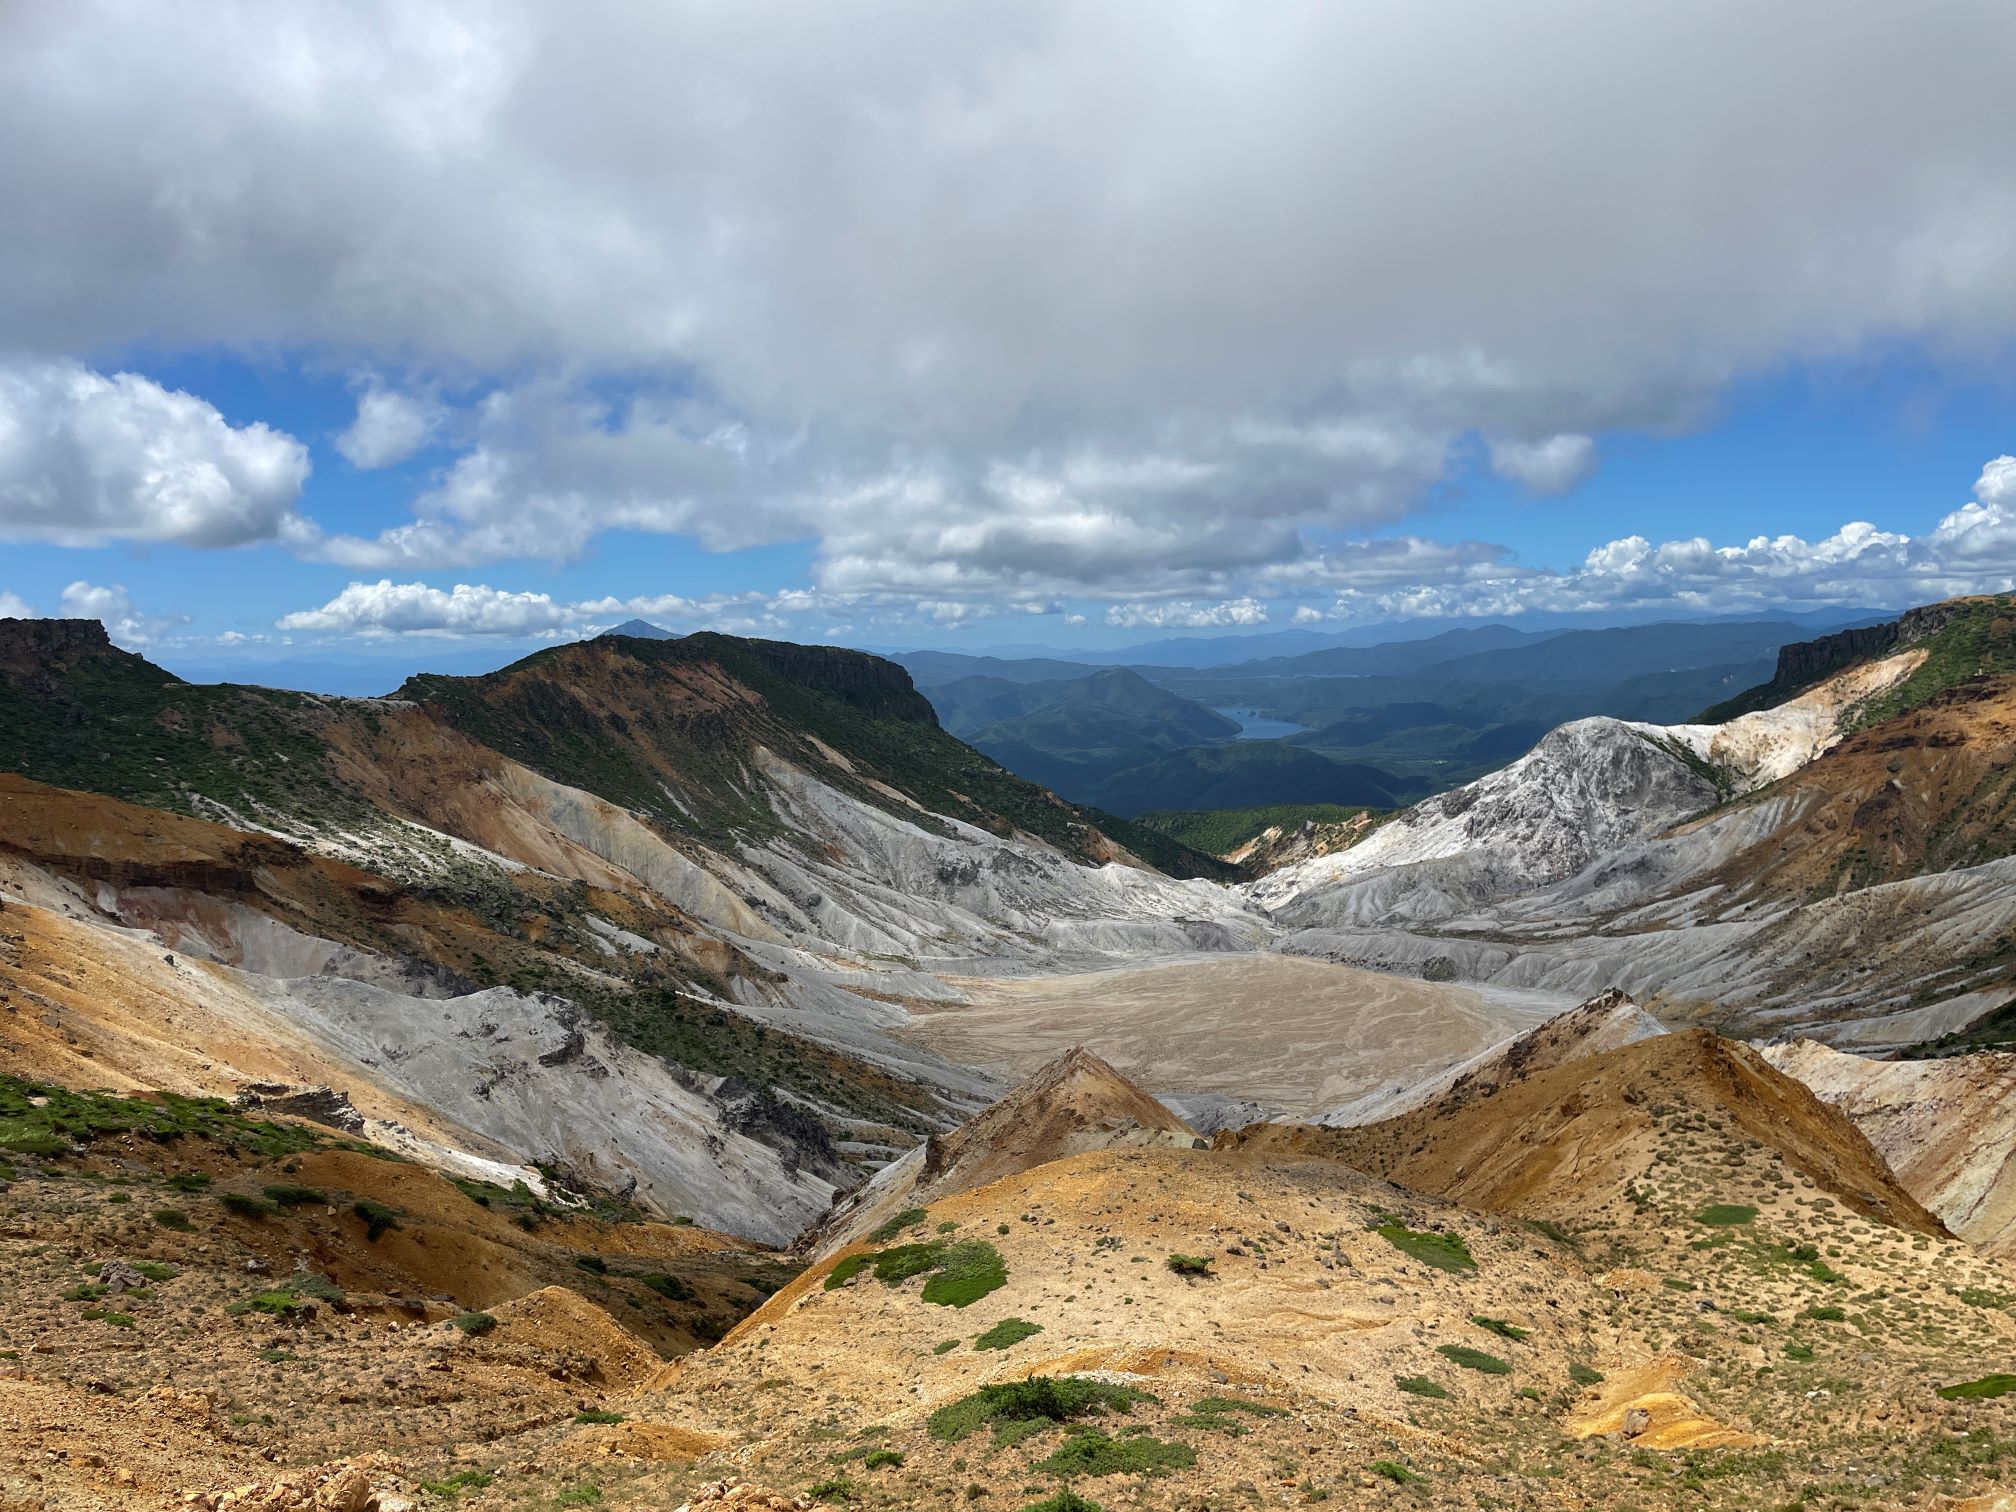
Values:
[(677, 1072)]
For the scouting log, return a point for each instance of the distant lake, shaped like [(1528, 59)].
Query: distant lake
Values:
[(1255, 726)]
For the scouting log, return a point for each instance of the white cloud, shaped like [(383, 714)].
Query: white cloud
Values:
[(1996, 486), (1552, 466), (1305, 615), (114, 607), (390, 427), (86, 459), (877, 288), (13, 606), (1188, 616), (386, 608), (1971, 550)]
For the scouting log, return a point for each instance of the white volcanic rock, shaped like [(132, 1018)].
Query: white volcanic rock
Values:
[(1587, 788), (537, 1076)]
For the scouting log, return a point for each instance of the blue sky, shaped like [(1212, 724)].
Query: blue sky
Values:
[(357, 327)]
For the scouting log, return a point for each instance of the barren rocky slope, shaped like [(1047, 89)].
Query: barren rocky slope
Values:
[(1946, 1127), (1074, 1104), (660, 935), (1836, 864)]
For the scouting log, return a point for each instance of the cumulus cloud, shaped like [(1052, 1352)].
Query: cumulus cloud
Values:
[(877, 288), (1552, 466), (113, 605), (13, 606), (86, 459), (1972, 549), (1188, 616), (389, 428), (388, 609)]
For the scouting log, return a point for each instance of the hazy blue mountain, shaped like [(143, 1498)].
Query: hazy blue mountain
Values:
[(639, 629), (1241, 774), (930, 669)]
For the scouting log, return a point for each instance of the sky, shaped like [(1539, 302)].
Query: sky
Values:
[(332, 327)]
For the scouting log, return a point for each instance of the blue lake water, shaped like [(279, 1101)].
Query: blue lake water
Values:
[(1254, 726)]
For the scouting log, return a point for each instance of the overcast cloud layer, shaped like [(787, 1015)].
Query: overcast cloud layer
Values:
[(1002, 305)]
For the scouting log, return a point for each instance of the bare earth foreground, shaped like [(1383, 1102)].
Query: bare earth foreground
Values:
[(1295, 1034)]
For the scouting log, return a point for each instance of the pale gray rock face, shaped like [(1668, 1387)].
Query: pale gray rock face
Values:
[(1592, 862), (534, 1074), (1585, 790)]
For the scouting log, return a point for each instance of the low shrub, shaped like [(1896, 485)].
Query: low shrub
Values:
[(1473, 1359), (174, 1219), (1501, 1328), (1726, 1215), (1421, 1386), (907, 1219), (957, 1275), (1038, 1400), (1982, 1390), (1090, 1452), (1189, 1265), (668, 1286), (378, 1218), (1007, 1333), (1396, 1472), (474, 1324), (1442, 1251), (285, 1194)]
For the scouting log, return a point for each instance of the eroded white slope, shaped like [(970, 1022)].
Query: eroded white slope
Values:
[(1585, 789), (1591, 794)]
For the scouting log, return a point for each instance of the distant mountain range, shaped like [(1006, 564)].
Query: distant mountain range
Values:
[(1379, 725)]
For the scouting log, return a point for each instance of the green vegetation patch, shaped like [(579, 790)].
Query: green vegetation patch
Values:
[(909, 1218), (1189, 1265), (1064, 1501), (1443, 1251), (1421, 1386), (945, 1346), (1584, 1375), (1982, 1390), (1007, 1333), (474, 1323), (596, 1415), (1396, 1472), (957, 1275), (379, 1219), (1220, 1414), (1501, 1328), (1473, 1359), (1217, 831), (1039, 1401), (1090, 1452), (668, 1286), (1726, 1215), (460, 1481), (38, 1119), (286, 1194)]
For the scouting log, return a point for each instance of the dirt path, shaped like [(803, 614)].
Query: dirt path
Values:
[(1295, 1034)]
